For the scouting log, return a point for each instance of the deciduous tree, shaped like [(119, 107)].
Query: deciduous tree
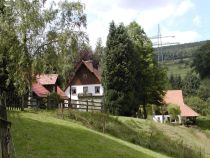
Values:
[(149, 78)]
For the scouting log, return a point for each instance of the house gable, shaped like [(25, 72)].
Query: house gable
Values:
[(85, 75)]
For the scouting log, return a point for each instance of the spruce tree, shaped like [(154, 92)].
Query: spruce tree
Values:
[(118, 72)]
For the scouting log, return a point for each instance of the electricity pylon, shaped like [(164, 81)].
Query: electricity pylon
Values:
[(160, 44)]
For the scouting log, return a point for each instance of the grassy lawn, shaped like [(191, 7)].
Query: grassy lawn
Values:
[(175, 141), (44, 134), (40, 135)]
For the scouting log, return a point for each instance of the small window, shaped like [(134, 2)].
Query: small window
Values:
[(85, 90), (73, 91), (97, 89)]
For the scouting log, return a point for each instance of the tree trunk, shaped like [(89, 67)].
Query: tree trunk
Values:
[(144, 108), (145, 111), (3, 112), (22, 102), (4, 132)]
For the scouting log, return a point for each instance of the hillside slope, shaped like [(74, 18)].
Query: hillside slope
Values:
[(39, 135), (178, 58), (175, 141), (193, 137)]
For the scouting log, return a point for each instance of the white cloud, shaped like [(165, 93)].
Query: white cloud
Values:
[(196, 20), (150, 18), (184, 7), (99, 16), (148, 14), (181, 36)]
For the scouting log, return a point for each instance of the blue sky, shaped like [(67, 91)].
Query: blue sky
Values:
[(187, 20)]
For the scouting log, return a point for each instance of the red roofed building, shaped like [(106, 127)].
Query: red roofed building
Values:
[(43, 86), (39, 90), (176, 97), (47, 79), (86, 83)]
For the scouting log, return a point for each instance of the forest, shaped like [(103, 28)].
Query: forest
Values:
[(180, 51)]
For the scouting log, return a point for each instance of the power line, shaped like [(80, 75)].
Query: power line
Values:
[(160, 44)]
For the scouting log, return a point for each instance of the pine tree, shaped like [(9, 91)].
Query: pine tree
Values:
[(98, 53), (118, 72)]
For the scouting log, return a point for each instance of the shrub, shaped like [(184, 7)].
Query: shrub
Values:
[(53, 100), (198, 105), (174, 111)]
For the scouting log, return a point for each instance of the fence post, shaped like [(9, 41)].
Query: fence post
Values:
[(62, 104), (87, 106), (4, 132)]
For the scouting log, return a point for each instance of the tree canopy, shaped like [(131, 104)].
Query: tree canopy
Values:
[(131, 77), (150, 79), (118, 71), (201, 61), (40, 39)]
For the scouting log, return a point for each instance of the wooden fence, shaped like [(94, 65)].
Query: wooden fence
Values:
[(14, 101), (82, 105), (86, 105)]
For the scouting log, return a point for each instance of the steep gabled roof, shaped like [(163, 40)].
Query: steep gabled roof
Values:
[(89, 65), (39, 90), (61, 93), (176, 97), (47, 79)]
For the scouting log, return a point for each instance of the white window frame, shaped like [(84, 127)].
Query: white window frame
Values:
[(73, 90), (85, 87), (99, 89)]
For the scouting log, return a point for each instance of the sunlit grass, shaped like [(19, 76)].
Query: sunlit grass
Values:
[(39, 135)]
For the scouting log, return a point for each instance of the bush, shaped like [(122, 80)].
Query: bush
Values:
[(53, 99), (174, 111)]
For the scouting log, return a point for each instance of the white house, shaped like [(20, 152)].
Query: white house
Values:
[(86, 83)]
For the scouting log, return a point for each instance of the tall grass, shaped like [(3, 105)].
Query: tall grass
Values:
[(134, 132)]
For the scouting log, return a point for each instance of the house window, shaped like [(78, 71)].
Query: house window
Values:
[(73, 91), (85, 90), (97, 89)]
